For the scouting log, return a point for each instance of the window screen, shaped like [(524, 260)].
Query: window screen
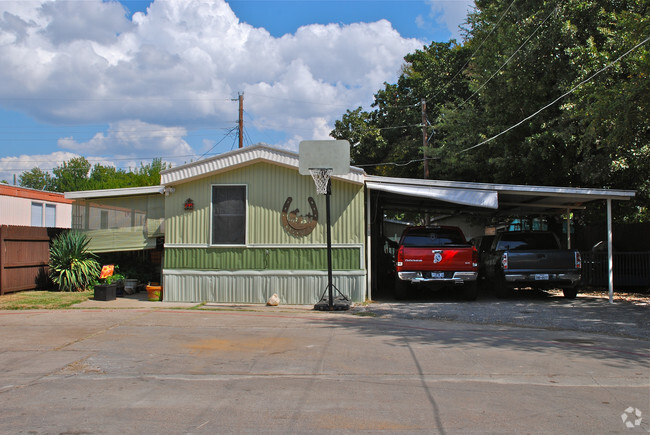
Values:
[(37, 214), (228, 215), (50, 215)]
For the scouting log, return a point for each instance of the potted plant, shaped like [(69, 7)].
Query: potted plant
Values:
[(109, 282), (118, 280), (154, 291), (130, 280)]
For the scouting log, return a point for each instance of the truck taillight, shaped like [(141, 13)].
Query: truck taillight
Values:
[(400, 256), (474, 257), (578, 260), (504, 261)]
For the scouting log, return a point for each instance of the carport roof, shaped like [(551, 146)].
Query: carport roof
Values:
[(504, 198)]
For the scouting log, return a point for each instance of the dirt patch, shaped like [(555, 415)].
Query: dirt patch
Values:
[(632, 297), (80, 367)]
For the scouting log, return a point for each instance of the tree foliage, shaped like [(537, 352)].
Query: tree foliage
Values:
[(517, 59), (36, 179), (78, 174)]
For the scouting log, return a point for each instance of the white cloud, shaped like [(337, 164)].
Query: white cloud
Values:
[(181, 63), (16, 165), (133, 138), (450, 13)]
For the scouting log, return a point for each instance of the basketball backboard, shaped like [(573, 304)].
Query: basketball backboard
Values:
[(332, 154)]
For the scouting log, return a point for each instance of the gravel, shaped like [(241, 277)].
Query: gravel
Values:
[(627, 316)]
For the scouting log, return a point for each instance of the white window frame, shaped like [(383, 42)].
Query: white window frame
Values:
[(39, 205), (246, 210)]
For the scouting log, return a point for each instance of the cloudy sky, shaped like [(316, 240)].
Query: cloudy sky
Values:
[(124, 82)]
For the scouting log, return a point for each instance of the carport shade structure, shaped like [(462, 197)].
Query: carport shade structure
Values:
[(495, 199)]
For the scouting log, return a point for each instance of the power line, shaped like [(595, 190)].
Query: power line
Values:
[(365, 165), (99, 159), (560, 97), (215, 145), (511, 56), (462, 68)]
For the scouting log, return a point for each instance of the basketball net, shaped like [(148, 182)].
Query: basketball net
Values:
[(321, 178)]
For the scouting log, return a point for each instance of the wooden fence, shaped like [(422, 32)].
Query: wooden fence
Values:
[(24, 255)]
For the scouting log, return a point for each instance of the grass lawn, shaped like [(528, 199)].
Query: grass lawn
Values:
[(42, 300)]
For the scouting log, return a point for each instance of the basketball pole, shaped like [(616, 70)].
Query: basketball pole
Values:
[(329, 244)]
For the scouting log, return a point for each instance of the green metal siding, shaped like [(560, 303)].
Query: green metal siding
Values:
[(343, 258), (251, 286), (269, 186)]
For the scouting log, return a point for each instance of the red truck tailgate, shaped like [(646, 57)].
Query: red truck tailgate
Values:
[(431, 258)]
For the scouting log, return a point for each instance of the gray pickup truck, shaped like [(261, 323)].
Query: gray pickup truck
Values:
[(522, 259)]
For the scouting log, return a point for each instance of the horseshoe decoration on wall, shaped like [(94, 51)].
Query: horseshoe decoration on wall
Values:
[(296, 224)]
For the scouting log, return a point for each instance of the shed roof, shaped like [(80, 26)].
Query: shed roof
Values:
[(243, 157), (504, 198), (39, 195), (107, 193)]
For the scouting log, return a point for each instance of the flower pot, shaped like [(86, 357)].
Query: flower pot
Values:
[(105, 292), (155, 292), (130, 286)]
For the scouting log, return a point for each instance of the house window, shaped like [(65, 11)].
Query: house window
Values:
[(228, 215), (50, 215), (37, 214), (103, 219)]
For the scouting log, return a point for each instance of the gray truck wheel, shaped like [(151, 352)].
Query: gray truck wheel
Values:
[(501, 290)]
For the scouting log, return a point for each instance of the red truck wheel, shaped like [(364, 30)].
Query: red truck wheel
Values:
[(402, 289)]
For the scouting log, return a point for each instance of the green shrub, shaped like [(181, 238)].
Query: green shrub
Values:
[(73, 267)]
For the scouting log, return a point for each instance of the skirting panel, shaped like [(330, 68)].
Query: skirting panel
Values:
[(298, 287)]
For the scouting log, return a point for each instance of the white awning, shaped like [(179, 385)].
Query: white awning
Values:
[(476, 198)]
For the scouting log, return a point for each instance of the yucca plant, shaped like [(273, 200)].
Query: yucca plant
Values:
[(73, 267)]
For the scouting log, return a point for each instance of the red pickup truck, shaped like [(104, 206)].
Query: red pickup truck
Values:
[(439, 256)]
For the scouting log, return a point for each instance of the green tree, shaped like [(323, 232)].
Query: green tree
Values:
[(392, 131), (77, 174), (35, 179), (539, 93), (149, 174), (612, 110), (72, 175)]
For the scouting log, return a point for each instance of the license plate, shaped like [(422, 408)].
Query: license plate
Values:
[(437, 275), (541, 277)]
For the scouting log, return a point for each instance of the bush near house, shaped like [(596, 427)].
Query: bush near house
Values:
[(73, 267)]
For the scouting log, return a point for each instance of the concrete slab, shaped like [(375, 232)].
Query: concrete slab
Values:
[(138, 300)]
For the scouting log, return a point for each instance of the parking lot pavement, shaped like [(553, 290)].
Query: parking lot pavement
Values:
[(149, 370)]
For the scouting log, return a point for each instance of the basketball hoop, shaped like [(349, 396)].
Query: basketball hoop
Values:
[(321, 178), (321, 159)]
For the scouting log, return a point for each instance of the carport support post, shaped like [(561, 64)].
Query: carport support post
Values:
[(568, 228), (610, 254)]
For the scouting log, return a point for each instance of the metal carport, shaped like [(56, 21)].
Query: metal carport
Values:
[(488, 199)]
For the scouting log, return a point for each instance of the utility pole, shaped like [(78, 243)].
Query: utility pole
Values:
[(241, 120), (424, 138)]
